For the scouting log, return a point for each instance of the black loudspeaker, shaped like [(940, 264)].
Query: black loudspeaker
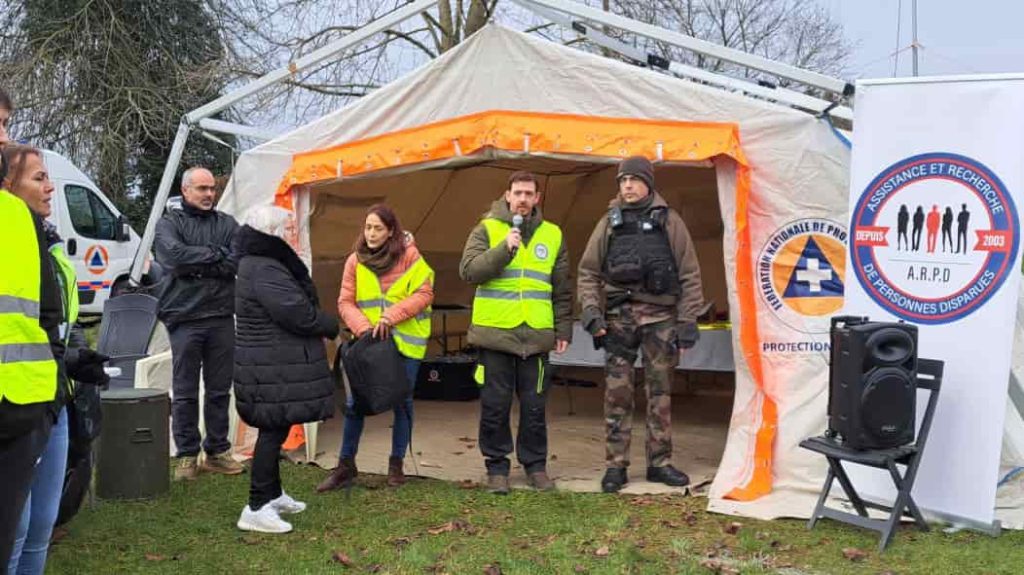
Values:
[(872, 383)]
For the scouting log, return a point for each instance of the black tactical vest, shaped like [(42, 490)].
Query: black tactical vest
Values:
[(639, 254)]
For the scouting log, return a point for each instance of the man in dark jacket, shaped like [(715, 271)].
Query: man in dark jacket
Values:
[(193, 244), (522, 310), (639, 288)]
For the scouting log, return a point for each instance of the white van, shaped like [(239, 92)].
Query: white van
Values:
[(97, 237)]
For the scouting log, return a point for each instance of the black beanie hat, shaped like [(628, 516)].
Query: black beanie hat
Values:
[(640, 167)]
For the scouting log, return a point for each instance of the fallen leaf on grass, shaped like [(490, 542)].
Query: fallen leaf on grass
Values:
[(602, 551), (854, 554), (733, 528), (492, 570), (375, 568), (690, 518), (641, 501), (339, 557), (400, 541), (579, 569), (670, 524), (468, 484), (456, 525), (716, 566), (154, 557)]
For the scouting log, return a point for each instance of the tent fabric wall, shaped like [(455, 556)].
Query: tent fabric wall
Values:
[(798, 169)]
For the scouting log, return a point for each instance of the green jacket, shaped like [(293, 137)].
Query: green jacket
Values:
[(481, 263)]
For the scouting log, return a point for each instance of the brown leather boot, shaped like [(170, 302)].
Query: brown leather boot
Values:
[(342, 476), (396, 478)]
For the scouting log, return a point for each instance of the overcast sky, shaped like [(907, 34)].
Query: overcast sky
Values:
[(959, 36)]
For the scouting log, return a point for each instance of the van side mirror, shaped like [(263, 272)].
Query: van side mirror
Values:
[(122, 232)]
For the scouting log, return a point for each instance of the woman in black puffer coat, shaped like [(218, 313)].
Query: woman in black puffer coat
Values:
[(281, 373)]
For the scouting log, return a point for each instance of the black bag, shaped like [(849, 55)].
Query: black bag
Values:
[(376, 374)]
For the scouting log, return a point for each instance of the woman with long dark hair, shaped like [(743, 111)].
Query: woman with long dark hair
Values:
[(387, 287)]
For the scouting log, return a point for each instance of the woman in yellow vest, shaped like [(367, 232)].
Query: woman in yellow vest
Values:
[(386, 287), (28, 179), (29, 310)]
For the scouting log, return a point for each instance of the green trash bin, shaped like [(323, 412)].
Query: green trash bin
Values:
[(134, 444)]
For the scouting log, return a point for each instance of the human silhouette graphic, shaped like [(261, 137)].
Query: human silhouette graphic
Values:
[(902, 219), (961, 229), (934, 220), (915, 234), (947, 229)]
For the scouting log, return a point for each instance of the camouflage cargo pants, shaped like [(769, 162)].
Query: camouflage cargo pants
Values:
[(660, 356)]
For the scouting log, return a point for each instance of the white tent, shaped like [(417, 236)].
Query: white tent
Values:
[(757, 183)]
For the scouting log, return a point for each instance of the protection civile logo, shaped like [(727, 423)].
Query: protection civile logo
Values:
[(801, 272), (956, 237)]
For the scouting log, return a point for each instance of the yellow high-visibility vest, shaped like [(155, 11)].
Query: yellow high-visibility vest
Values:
[(411, 335), (28, 372), (522, 293)]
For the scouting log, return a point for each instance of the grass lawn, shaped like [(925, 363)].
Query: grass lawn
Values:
[(436, 527)]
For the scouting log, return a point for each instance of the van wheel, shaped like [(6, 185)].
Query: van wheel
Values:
[(120, 287)]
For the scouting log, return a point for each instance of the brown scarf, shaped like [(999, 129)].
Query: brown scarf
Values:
[(379, 260)]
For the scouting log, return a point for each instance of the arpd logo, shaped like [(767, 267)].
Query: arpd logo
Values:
[(956, 236)]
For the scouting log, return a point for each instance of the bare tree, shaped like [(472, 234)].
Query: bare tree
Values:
[(797, 32)]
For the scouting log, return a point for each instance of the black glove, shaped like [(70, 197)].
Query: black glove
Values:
[(86, 366), (687, 334)]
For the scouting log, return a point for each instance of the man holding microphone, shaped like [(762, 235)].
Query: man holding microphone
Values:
[(521, 311)]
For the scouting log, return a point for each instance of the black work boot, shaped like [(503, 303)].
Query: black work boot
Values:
[(613, 480), (668, 475)]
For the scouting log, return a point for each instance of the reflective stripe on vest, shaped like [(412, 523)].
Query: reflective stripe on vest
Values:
[(28, 373), (522, 292), (411, 335)]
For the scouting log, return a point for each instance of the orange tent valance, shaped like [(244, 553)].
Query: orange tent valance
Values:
[(516, 131)]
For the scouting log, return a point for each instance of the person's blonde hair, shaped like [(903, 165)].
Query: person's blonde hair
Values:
[(270, 220)]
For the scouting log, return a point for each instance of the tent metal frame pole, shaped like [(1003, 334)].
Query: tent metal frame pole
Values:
[(195, 117), (212, 125), (815, 79), (775, 94)]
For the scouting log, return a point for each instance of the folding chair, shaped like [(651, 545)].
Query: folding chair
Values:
[(929, 378), (127, 326)]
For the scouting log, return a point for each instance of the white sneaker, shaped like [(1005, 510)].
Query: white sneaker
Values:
[(285, 504), (266, 520)]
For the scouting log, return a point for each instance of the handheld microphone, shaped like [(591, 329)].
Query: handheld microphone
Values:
[(517, 220)]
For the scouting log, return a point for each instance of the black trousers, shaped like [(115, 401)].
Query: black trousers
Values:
[(265, 484), (207, 345), (18, 458), (505, 374)]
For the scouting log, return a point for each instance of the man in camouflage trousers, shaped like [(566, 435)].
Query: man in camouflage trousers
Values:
[(641, 264)]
